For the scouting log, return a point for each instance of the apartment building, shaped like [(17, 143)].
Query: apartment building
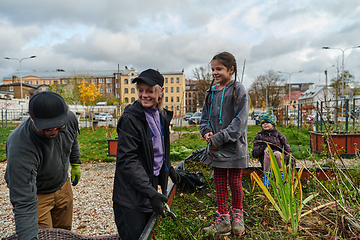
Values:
[(111, 83)]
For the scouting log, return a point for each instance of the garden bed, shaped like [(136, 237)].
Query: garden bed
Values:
[(195, 209)]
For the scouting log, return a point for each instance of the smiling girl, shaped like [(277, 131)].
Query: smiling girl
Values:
[(224, 126)]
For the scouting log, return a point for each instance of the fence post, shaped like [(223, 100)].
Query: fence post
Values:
[(321, 115), (346, 115), (317, 116), (354, 113)]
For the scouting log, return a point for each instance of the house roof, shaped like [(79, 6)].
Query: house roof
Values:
[(311, 92), (294, 95)]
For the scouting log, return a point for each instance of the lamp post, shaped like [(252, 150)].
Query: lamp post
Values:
[(20, 60), (343, 53), (289, 83)]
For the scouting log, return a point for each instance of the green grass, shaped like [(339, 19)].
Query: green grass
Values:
[(93, 144)]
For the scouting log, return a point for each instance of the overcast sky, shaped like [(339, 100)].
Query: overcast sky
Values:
[(279, 35)]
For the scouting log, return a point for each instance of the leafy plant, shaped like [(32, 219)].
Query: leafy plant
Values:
[(287, 191)]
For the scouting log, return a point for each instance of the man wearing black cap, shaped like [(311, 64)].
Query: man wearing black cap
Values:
[(143, 157), (39, 152)]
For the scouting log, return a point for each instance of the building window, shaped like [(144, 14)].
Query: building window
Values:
[(30, 82), (172, 89), (108, 90), (177, 99), (194, 95), (37, 82), (118, 85), (118, 95), (49, 82), (126, 100), (172, 99), (166, 81), (177, 89), (189, 94), (44, 82), (172, 80), (189, 102), (126, 81), (166, 99), (172, 108), (101, 90), (132, 99), (93, 80), (63, 81), (132, 90), (166, 90), (101, 80), (177, 80), (108, 80), (11, 88), (126, 90)]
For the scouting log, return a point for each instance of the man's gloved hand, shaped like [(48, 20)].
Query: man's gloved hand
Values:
[(157, 203), (75, 173), (174, 175)]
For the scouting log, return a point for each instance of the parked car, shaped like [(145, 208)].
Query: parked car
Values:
[(255, 113), (195, 118), (23, 116), (257, 118), (187, 116), (95, 115), (104, 117)]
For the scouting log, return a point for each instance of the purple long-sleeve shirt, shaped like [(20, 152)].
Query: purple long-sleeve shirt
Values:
[(153, 119)]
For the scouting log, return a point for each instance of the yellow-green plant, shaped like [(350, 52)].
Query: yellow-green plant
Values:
[(287, 194)]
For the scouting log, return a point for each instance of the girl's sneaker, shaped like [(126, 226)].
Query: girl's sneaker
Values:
[(221, 225), (237, 221)]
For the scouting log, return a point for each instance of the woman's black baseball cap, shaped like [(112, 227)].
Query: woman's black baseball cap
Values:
[(151, 77)]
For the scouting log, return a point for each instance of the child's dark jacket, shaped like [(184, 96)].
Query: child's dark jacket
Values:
[(277, 142)]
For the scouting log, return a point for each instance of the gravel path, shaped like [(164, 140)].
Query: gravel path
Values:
[(93, 214)]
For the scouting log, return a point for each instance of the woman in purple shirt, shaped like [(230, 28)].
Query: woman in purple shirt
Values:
[(143, 157)]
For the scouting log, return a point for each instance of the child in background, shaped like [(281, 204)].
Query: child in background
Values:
[(276, 140), (224, 126)]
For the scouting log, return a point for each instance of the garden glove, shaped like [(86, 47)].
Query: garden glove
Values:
[(175, 176), (157, 203), (75, 173)]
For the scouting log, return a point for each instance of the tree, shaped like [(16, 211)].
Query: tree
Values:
[(88, 92), (68, 91), (268, 84), (204, 77), (341, 81)]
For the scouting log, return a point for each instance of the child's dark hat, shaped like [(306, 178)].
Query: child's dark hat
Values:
[(151, 77), (48, 109)]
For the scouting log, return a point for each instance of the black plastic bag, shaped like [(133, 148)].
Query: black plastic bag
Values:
[(192, 180)]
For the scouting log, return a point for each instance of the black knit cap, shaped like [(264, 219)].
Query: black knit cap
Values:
[(151, 77), (48, 110)]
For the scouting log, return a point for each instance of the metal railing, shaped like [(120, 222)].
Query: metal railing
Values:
[(342, 115)]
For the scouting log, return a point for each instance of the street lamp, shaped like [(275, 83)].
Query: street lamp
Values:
[(289, 83), (20, 60), (343, 52)]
